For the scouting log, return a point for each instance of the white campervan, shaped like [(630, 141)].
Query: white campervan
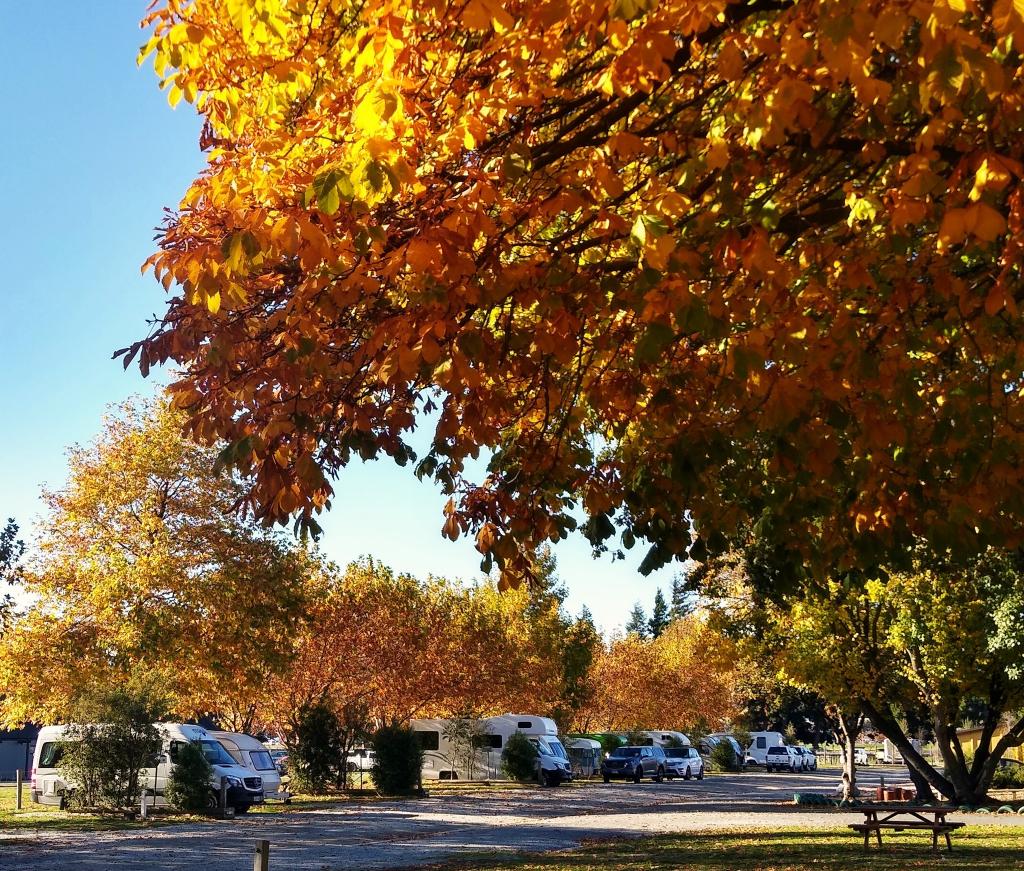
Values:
[(245, 788), (762, 742), (251, 754), (445, 759)]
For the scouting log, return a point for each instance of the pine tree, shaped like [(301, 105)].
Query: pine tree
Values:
[(660, 617), (682, 598), (638, 624)]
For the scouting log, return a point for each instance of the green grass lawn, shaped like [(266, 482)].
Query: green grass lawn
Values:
[(975, 849)]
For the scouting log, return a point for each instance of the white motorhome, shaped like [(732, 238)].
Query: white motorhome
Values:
[(253, 755), (762, 742), (666, 738), (47, 785), (471, 749)]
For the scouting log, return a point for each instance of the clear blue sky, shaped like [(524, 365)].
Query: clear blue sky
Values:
[(91, 154)]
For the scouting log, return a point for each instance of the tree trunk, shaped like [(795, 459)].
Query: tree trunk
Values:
[(849, 728)]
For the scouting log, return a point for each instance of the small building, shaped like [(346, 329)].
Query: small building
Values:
[(971, 738), (16, 751)]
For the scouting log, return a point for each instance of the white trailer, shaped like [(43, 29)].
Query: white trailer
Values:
[(666, 738), (471, 749)]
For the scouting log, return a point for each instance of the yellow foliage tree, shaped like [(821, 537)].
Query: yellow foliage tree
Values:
[(143, 566)]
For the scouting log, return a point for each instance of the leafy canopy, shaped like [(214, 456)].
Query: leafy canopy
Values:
[(743, 258)]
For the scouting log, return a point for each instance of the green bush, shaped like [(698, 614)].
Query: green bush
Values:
[(102, 761), (315, 750), (1010, 777), (399, 761), (188, 788), (724, 758), (519, 758)]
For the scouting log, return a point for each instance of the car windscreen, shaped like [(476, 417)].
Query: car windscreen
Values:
[(261, 760), (675, 752), (777, 751), (625, 752), (557, 749)]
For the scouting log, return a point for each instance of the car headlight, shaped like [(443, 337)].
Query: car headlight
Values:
[(234, 781)]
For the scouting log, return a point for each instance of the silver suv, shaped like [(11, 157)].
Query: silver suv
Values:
[(684, 762), (634, 763)]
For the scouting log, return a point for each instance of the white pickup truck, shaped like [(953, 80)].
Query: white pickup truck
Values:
[(782, 759)]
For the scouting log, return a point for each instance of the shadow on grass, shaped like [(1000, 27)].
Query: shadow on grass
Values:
[(788, 850)]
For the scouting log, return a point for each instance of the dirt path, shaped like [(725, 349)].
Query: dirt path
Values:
[(395, 834)]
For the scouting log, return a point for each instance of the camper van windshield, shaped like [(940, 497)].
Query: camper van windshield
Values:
[(215, 754), (557, 748)]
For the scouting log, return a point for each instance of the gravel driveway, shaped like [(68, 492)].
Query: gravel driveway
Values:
[(376, 835)]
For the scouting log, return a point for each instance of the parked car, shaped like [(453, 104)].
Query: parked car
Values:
[(810, 758), (634, 763), (860, 756), (684, 762), (783, 758)]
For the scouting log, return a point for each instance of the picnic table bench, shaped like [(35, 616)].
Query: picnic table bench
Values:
[(901, 816)]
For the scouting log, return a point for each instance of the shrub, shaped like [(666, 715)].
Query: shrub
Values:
[(315, 750), (399, 760), (102, 761), (188, 788), (1008, 777), (723, 757), (519, 758)]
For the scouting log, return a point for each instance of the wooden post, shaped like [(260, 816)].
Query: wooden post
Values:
[(261, 856), (223, 800), (17, 795)]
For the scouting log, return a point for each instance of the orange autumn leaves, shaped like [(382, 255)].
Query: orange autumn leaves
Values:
[(658, 260)]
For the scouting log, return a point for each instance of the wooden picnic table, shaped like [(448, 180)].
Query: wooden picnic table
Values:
[(903, 816)]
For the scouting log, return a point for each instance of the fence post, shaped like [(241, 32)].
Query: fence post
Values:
[(261, 856), (17, 795), (223, 800)]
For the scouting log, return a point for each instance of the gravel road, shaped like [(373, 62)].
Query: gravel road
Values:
[(375, 835)]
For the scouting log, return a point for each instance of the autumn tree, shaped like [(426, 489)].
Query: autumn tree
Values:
[(944, 639), (672, 265), (682, 679), (143, 566)]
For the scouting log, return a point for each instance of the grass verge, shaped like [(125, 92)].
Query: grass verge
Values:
[(977, 848)]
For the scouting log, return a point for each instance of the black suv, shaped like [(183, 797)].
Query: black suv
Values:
[(634, 763)]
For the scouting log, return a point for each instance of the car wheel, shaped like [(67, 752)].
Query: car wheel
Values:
[(660, 775), (638, 774), (688, 773), (212, 801), (700, 773), (242, 809)]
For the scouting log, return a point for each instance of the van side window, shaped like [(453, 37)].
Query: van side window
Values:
[(762, 742), (487, 742), (429, 740), (175, 746), (49, 756), (525, 724)]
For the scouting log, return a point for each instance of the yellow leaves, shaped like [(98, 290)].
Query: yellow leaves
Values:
[(979, 220), (717, 155), (485, 14), (730, 61), (993, 174)]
